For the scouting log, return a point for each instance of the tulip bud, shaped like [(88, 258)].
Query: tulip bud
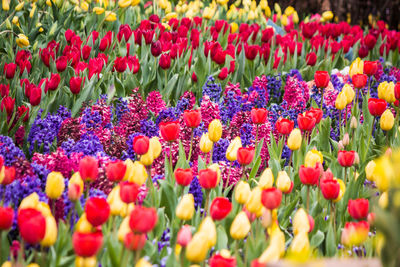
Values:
[(83, 225), (50, 236), (341, 101), (312, 158), (346, 139), (215, 130), (342, 190), (85, 261), (283, 182), (340, 145), (242, 192), (387, 120), (231, 152), (22, 41), (349, 93), (196, 250), (185, 208), (135, 172), (54, 185), (19, 6), (383, 200), (205, 143), (301, 222), (266, 179), (353, 123), (75, 187), (184, 236), (124, 229), (254, 204), (215, 167), (300, 244), (143, 262), (207, 226), (294, 140), (155, 146), (30, 201), (369, 170), (117, 206), (240, 226)]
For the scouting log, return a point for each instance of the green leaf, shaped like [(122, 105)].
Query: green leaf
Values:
[(168, 198), (222, 238), (317, 239), (330, 242)]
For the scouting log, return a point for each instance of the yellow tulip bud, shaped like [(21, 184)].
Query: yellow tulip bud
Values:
[(215, 167), (234, 27), (143, 263), (15, 20), (32, 10), (284, 20), (84, 6), (50, 236), (341, 191), (231, 152), (327, 15), (386, 91), (383, 173), (124, 229), (254, 204), (268, 12), (283, 182), (357, 67), (185, 208), (135, 2), (83, 225), (266, 179), (55, 185), (30, 201), (22, 40), (240, 226), (111, 16), (383, 200), (137, 172), (207, 226), (155, 146), (387, 120), (222, 2), (301, 222), (171, 15), (349, 93), (6, 5), (147, 159), (44, 209), (205, 143), (242, 192), (295, 17), (197, 249), (289, 11), (277, 9), (117, 206), (124, 3), (215, 130), (341, 101), (98, 10), (85, 262), (312, 158), (19, 6), (300, 245), (33, 265), (7, 264), (369, 170), (48, 2), (294, 140)]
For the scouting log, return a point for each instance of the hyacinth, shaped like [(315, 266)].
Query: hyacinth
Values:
[(19, 136), (235, 88), (262, 83), (274, 87), (22, 168), (238, 120), (246, 134), (337, 82), (41, 172), (130, 153), (219, 150), (91, 119), (230, 105), (104, 110), (212, 90), (164, 240), (234, 177), (149, 128), (168, 114), (255, 97), (121, 107), (64, 112), (190, 96), (115, 145), (295, 72), (195, 190), (88, 145), (57, 161), (395, 72), (155, 103), (102, 183), (296, 93), (70, 129), (209, 111), (9, 151)]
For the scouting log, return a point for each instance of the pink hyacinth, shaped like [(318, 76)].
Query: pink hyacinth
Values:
[(262, 83), (155, 103), (296, 93), (209, 111)]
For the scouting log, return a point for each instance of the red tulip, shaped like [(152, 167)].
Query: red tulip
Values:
[(330, 188), (88, 168), (208, 178), (9, 70), (7, 103), (6, 218), (219, 261), (142, 219), (271, 198), (256, 263), (316, 113), (23, 110), (370, 67), (311, 58), (259, 115), (120, 64), (9, 175), (363, 51), (134, 241), (53, 82), (61, 63), (370, 41), (311, 222), (251, 51), (194, 77), (35, 96), (97, 210), (346, 158), (245, 155), (397, 90), (141, 144), (376, 106), (223, 73), (75, 84), (358, 208), (87, 244), (183, 177), (309, 176), (115, 171), (156, 48), (192, 118), (133, 64), (184, 236), (306, 122), (128, 192), (165, 61), (321, 79), (32, 225), (4, 90), (284, 126), (169, 130), (359, 80), (220, 208), (86, 52)]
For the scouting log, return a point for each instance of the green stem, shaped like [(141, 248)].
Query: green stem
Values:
[(191, 145), (308, 199), (229, 174), (322, 97), (333, 214), (124, 257), (369, 138), (170, 158), (257, 135), (211, 154), (206, 204)]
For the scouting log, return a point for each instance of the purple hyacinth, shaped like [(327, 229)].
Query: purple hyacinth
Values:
[(9, 151), (195, 190), (212, 89), (219, 151)]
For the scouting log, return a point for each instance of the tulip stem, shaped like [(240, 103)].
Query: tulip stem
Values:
[(369, 138), (191, 145), (211, 153), (257, 135), (308, 199), (229, 174), (322, 97), (345, 175), (124, 257), (206, 204), (182, 257), (340, 123), (333, 214), (170, 158)]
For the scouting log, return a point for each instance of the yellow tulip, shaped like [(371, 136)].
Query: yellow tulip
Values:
[(276, 247), (254, 204), (32, 10), (263, 4), (30, 201), (312, 158), (75, 187), (294, 140), (50, 236), (138, 173), (300, 245), (289, 11), (383, 200), (240, 226), (357, 67), (84, 5), (369, 170), (15, 20), (111, 16), (44, 209), (83, 225), (341, 191), (205, 143), (301, 222), (135, 2), (284, 20), (207, 226), (327, 15), (19, 6), (117, 206), (349, 93), (242, 192), (98, 10), (197, 249), (268, 12), (6, 5), (231, 151), (22, 40), (48, 2), (295, 18), (387, 120), (215, 130), (155, 146), (7, 264), (185, 208), (85, 262), (143, 263), (341, 101), (283, 182), (55, 185), (33, 265), (171, 15), (277, 9), (222, 2), (215, 167), (147, 159), (124, 3), (266, 179), (383, 173), (124, 229), (386, 91)]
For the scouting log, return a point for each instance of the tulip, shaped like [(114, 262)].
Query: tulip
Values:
[(192, 118), (165, 61), (156, 48), (349, 93), (75, 187), (220, 208), (245, 155), (321, 79), (315, 113), (185, 208), (9, 175), (75, 84), (359, 80), (115, 171), (61, 65), (135, 242), (22, 41), (208, 178), (31, 201), (205, 143), (312, 158), (387, 120), (242, 192), (346, 158), (300, 245), (155, 147), (259, 115), (55, 185), (35, 96), (397, 90), (110, 16), (266, 179), (97, 211), (197, 249), (207, 226), (222, 260), (128, 192), (141, 144), (142, 219), (117, 206), (369, 170), (240, 226), (311, 58), (355, 233), (87, 244), (231, 151), (7, 104), (124, 3), (135, 172), (215, 130), (284, 126), (85, 262), (358, 208), (301, 222), (50, 236), (6, 218), (342, 190), (356, 67), (330, 188), (169, 130), (183, 177), (184, 236), (294, 140), (271, 198), (223, 73), (341, 101), (284, 183), (32, 225), (88, 168), (376, 106), (386, 92), (309, 175), (306, 123), (9, 70), (370, 67)]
